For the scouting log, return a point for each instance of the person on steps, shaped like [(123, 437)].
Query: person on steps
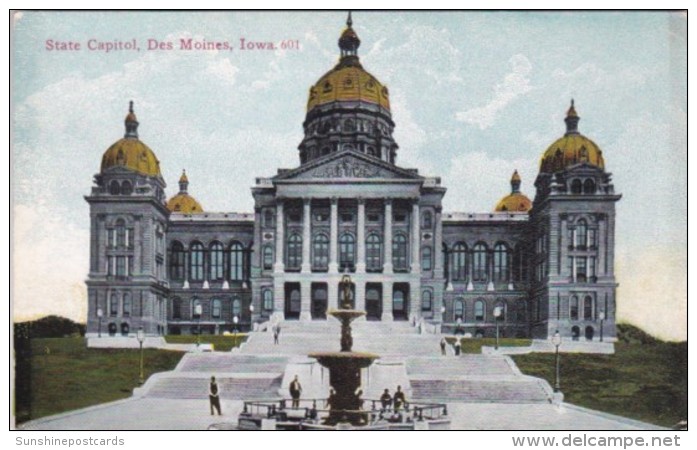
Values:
[(214, 396)]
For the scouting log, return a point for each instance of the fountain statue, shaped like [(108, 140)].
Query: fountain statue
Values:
[(345, 366)]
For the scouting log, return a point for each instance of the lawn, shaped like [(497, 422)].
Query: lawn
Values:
[(63, 375), (220, 343), (474, 345), (647, 382)]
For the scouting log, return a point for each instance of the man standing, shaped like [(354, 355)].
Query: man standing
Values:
[(442, 346), (214, 396), (295, 390), (276, 332)]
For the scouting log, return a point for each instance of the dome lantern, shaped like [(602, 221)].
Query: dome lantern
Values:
[(572, 120), (183, 202), (183, 183), (516, 201), (349, 42), (515, 182), (131, 123)]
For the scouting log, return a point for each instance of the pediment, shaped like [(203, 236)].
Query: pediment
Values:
[(347, 165)]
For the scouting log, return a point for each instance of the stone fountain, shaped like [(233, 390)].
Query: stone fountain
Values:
[(345, 366)]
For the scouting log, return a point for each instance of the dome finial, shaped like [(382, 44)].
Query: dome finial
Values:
[(131, 122), (515, 182), (183, 182), (349, 22), (572, 120)]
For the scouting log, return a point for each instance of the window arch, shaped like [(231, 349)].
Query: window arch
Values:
[(576, 186), (347, 251), (268, 299), (127, 305), (581, 233), (114, 304), (237, 261), (426, 258), (320, 252), (426, 300), (194, 303), (573, 308), (427, 220), (588, 308), (216, 308), (196, 266), (459, 266), (373, 252), (177, 263), (459, 309), (295, 251), (114, 188), (126, 188), (589, 186), (479, 311), (237, 307), (479, 263), (399, 252), (501, 262), (268, 257), (176, 308), (215, 266)]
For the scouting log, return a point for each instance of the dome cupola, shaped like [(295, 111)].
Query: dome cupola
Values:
[(515, 201), (183, 202)]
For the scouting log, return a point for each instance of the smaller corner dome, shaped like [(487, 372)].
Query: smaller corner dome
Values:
[(515, 201), (572, 148), (184, 203), (130, 153)]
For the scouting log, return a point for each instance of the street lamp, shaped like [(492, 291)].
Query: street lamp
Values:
[(497, 314), (234, 329), (556, 340), (100, 313), (141, 337), (601, 316), (198, 310)]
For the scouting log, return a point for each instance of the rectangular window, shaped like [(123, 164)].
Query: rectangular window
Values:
[(581, 273), (426, 258), (120, 266), (373, 217), (129, 238), (321, 217), (114, 306), (294, 217), (591, 269), (111, 239), (591, 238), (126, 305), (347, 218), (400, 218)]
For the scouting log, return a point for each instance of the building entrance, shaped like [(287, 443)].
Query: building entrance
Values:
[(373, 301), (292, 303), (400, 301), (319, 301)]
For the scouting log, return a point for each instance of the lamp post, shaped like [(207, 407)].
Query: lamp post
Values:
[(251, 315), (556, 340), (198, 310), (141, 337), (234, 330), (601, 316), (100, 313), (497, 314)]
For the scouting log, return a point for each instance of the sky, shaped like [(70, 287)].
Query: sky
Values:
[(474, 95)]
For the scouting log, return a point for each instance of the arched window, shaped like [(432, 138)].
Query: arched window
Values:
[(295, 251), (576, 186), (573, 308), (320, 252), (126, 188), (399, 252), (589, 186), (426, 301), (479, 263), (501, 262), (268, 299), (581, 233), (237, 261), (176, 308), (127, 305), (194, 303), (588, 308), (458, 270), (196, 266), (427, 220), (268, 258), (459, 309), (120, 233), (501, 304), (479, 310), (426, 258), (373, 252), (114, 188), (347, 251), (114, 305), (216, 308), (398, 300), (236, 307), (215, 267), (177, 263)]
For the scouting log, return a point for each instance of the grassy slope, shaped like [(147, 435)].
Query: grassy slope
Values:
[(72, 376), (220, 343), (647, 381)]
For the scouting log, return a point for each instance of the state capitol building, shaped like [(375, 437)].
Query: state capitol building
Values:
[(348, 207)]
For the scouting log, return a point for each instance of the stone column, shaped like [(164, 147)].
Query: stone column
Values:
[(305, 301), (415, 299), (360, 295), (573, 268), (334, 236), (387, 263), (600, 245), (564, 250), (332, 294), (279, 297), (490, 269), (387, 302), (360, 237), (306, 267), (610, 247), (279, 266), (438, 246), (415, 238)]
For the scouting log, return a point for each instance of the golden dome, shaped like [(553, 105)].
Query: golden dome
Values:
[(130, 152), (572, 148), (183, 202), (515, 201), (348, 81)]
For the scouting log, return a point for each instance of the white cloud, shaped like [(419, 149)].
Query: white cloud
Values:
[(514, 84), (223, 69)]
